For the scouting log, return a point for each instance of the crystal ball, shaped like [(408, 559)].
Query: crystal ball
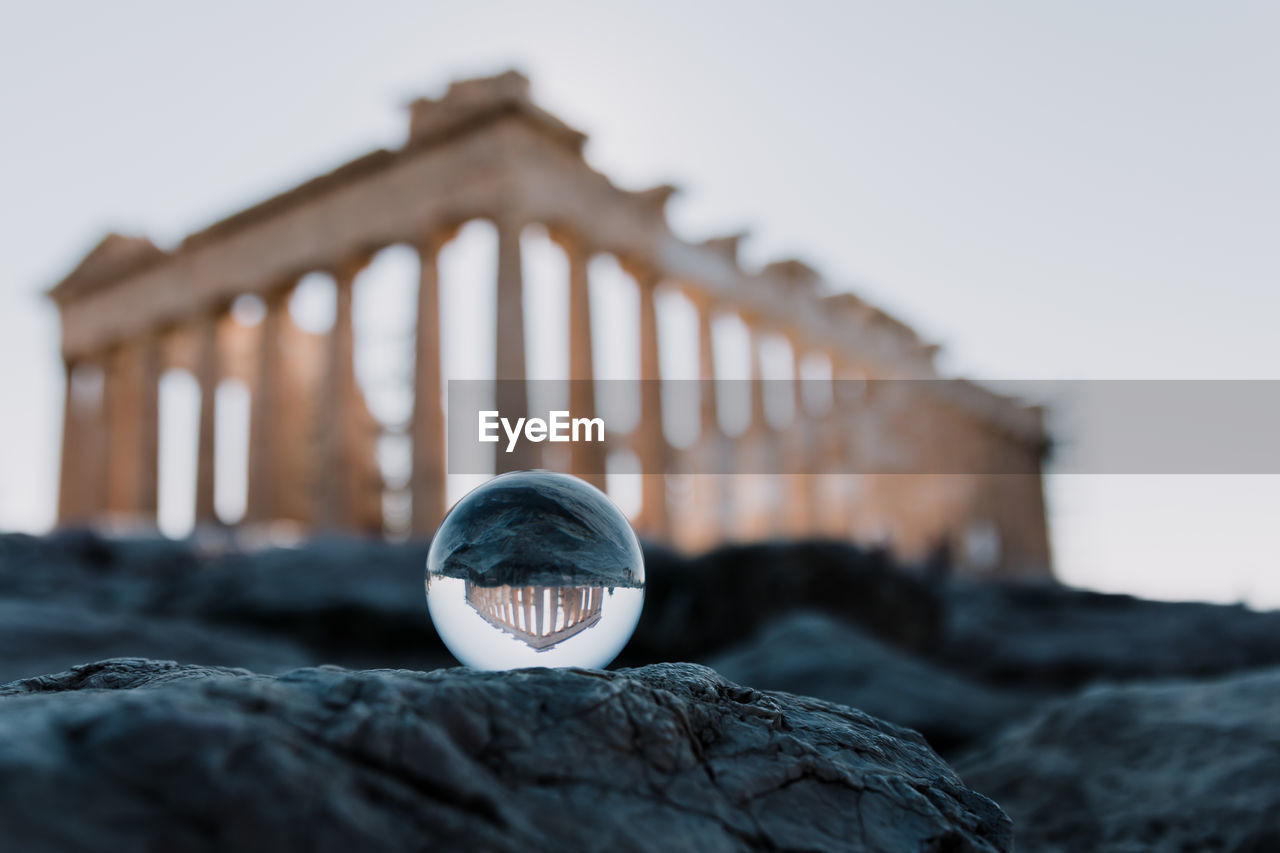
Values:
[(535, 568)]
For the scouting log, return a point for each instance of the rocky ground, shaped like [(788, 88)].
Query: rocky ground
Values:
[(664, 757), (1097, 722), (817, 655), (1169, 767)]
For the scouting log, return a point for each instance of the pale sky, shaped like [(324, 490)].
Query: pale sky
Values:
[(1088, 190)]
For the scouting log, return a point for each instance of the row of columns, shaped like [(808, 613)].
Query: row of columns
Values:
[(125, 431), (130, 397), (808, 446), (110, 458)]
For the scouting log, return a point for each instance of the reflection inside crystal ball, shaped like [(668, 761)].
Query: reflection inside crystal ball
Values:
[(535, 568)]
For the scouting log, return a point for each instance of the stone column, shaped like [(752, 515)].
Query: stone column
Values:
[(428, 475), (76, 487), (764, 518), (587, 459), (208, 374), (511, 399), (651, 444), (1035, 553), (265, 484), (1022, 511), (68, 475), (861, 440), (116, 406), (759, 422), (707, 373), (338, 476), (149, 427), (802, 500), (713, 504), (96, 447), (130, 397), (1009, 500)]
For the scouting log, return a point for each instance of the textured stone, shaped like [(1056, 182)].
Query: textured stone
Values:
[(814, 655), (698, 606), (1053, 638), (1171, 767), (360, 603), (139, 755), (40, 637), (349, 602), (352, 602)]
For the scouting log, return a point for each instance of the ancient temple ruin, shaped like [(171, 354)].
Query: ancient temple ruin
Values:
[(485, 150), (541, 617)]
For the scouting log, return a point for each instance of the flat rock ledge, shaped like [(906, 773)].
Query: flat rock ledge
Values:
[(134, 754)]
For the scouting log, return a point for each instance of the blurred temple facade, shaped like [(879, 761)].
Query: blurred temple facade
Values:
[(485, 150)]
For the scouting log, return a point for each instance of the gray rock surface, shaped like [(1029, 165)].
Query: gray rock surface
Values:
[(1170, 767), (810, 654), (350, 602), (40, 637), (140, 755), (1056, 639), (354, 603), (360, 603), (695, 607)]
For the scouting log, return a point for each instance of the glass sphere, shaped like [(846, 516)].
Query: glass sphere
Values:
[(535, 568)]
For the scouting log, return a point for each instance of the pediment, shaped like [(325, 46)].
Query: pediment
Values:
[(114, 255)]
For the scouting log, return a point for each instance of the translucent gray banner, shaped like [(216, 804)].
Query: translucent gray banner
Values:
[(883, 426)]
